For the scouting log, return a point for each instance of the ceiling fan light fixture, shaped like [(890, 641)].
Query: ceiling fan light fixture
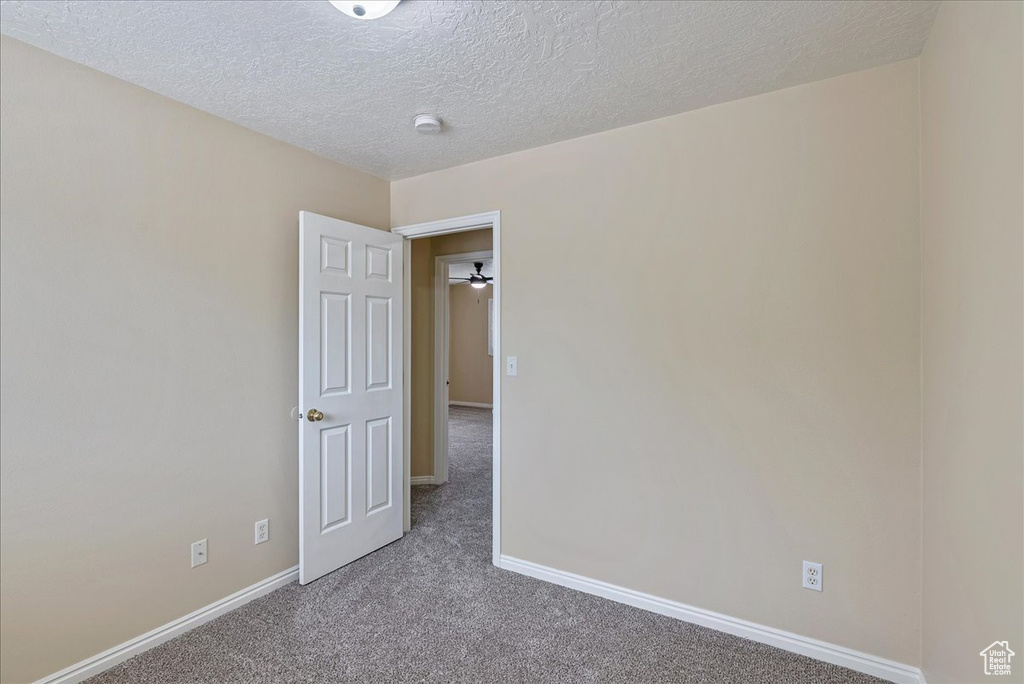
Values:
[(365, 9), (478, 280)]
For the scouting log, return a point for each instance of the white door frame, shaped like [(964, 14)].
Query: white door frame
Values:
[(461, 224), (441, 355)]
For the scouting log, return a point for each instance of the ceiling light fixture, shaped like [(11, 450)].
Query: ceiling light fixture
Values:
[(366, 9), (477, 280)]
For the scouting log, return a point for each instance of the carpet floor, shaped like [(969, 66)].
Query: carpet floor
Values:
[(432, 608)]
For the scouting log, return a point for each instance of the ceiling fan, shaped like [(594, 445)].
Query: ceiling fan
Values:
[(478, 279)]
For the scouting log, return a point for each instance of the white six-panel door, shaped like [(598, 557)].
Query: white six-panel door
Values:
[(350, 392)]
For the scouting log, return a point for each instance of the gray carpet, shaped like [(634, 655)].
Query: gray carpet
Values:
[(432, 608)]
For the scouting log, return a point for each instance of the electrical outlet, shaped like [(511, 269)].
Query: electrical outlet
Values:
[(262, 531), (198, 552), (812, 576)]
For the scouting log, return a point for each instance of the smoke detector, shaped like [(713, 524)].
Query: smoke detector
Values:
[(426, 123)]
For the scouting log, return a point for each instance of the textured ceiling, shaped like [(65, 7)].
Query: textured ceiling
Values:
[(504, 75)]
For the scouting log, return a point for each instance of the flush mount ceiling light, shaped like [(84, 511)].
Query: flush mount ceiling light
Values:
[(366, 9)]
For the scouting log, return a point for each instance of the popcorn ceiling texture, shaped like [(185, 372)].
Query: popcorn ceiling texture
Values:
[(504, 75)]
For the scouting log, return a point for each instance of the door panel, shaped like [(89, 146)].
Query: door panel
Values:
[(378, 464), (335, 255), (350, 371), (335, 343), (378, 343), (335, 477), (378, 263)]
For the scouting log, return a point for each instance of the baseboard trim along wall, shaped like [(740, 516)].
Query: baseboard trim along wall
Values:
[(787, 641), (118, 654), (421, 480), (470, 404)]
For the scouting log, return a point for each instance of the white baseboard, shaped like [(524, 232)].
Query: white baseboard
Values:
[(103, 661), (471, 404), (787, 641), (421, 480)]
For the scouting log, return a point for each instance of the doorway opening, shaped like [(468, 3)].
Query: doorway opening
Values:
[(463, 343), (455, 245)]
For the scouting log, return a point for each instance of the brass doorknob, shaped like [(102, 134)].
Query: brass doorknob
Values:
[(313, 415)]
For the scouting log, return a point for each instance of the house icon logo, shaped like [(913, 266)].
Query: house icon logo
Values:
[(997, 658)]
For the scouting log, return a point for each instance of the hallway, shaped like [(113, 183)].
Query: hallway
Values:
[(431, 608)]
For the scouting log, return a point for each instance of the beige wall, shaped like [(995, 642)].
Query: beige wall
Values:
[(972, 114), (470, 367), (736, 386), (735, 389), (148, 274), (421, 373)]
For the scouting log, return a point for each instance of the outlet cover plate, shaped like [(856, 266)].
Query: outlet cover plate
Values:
[(812, 576), (262, 531), (199, 552)]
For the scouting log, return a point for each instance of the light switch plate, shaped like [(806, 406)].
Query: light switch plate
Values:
[(511, 365)]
